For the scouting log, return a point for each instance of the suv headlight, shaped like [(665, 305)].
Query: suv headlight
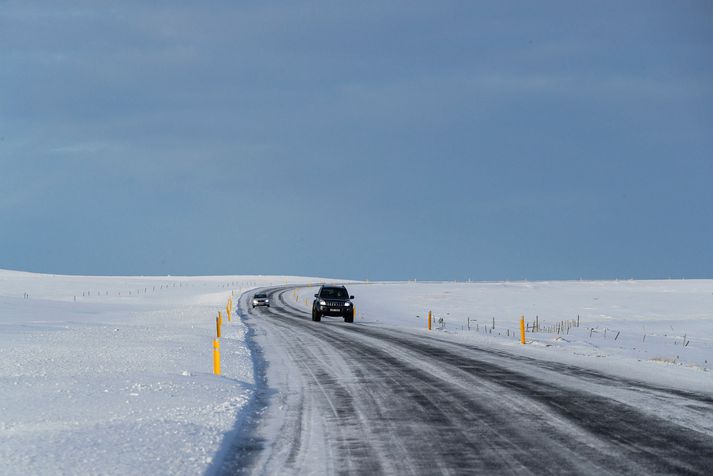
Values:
[(254, 301), (322, 303), (347, 304)]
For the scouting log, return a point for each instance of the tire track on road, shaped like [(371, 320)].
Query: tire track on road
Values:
[(409, 404)]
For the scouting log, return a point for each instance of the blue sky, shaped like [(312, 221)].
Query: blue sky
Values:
[(381, 140)]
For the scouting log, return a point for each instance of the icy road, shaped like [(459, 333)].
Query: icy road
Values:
[(356, 399)]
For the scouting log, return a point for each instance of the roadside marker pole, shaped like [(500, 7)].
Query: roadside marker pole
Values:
[(429, 320), (522, 329), (218, 322), (216, 357)]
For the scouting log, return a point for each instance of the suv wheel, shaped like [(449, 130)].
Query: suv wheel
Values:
[(315, 316), (349, 317)]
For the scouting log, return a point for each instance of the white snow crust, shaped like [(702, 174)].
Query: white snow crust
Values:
[(119, 381)]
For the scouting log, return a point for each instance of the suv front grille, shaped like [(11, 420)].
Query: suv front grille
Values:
[(335, 303)]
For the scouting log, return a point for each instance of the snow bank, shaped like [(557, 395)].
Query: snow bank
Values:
[(114, 374)]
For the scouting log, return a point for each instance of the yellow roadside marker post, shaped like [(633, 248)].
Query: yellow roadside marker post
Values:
[(429, 320), (216, 356), (218, 323), (522, 329)]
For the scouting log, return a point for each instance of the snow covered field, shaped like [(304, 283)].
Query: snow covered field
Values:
[(114, 374), (659, 331)]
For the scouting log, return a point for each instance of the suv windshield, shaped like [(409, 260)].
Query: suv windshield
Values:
[(260, 296), (338, 293)]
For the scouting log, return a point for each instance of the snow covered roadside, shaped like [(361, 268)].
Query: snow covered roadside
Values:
[(656, 331), (113, 375)]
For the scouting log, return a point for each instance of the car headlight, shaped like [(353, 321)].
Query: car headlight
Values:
[(347, 304), (254, 301), (267, 300), (322, 303)]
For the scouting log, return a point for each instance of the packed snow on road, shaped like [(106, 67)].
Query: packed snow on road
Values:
[(114, 374)]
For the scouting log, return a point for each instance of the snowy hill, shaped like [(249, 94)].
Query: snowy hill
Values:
[(114, 374)]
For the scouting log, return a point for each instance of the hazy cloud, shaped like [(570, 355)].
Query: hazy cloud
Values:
[(420, 126)]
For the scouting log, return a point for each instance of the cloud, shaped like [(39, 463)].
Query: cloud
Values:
[(390, 109), (81, 149)]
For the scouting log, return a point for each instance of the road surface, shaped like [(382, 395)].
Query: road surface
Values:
[(338, 398)]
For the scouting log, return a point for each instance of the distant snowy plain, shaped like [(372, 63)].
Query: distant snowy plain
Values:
[(113, 375), (658, 331)]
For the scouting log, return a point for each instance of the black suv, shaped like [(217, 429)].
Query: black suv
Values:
[(333, 301)]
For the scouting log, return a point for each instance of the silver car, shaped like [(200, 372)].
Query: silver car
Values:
[(260, 299)]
